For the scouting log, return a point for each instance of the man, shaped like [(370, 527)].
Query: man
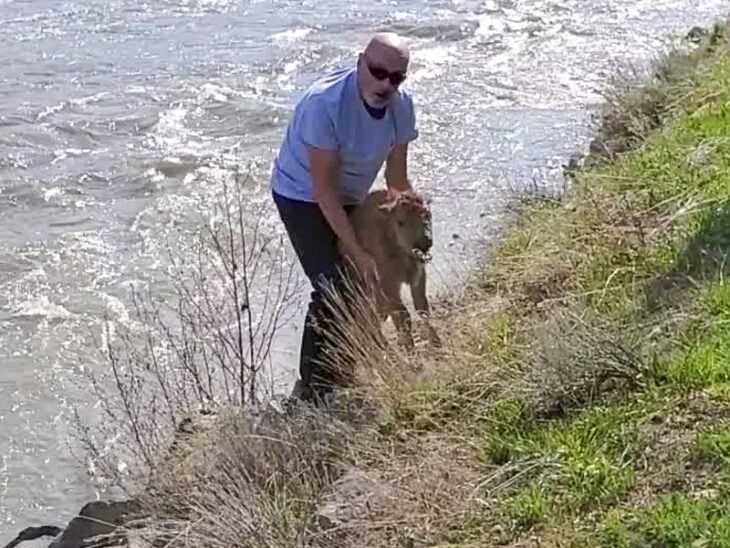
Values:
[(342, 130)]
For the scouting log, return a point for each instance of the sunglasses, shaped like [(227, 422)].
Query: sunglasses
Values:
[(396, 78)]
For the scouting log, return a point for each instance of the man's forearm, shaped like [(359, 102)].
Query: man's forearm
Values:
[(396, 169), (337, 219), (399, 183)]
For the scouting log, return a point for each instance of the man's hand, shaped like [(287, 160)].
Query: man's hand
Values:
[(362, 262), (367, 268)]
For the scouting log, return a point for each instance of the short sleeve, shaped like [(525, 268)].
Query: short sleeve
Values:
[(405, 121), (315, 124)]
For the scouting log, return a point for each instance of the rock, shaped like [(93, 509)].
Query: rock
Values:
[(95, 519), (186, 454), (348, 499), (696, 34), (605, 147), (702, 155), (575, 162), (33, 533)]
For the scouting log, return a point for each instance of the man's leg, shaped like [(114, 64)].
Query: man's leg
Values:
[(315, 244)]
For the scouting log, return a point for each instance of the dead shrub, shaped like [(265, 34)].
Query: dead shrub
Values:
[(360, 353), (260, 483), (572, 358)]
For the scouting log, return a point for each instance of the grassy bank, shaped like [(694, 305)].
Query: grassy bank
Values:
[(583, 398), (604, 417)]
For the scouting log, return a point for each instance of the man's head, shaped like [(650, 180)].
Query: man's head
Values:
[(381, 68)]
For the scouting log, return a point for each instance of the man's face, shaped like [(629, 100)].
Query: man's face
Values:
[(381, 72)]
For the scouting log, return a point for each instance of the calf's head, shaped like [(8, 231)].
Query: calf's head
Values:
[(409, 222)]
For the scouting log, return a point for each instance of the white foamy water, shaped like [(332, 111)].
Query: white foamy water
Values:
[(120, 119), (292, 35), (42, 307)]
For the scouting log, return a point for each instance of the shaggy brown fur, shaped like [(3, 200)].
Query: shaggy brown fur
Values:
[(395, 229)]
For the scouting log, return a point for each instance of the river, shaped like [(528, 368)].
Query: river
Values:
[(116, 117)]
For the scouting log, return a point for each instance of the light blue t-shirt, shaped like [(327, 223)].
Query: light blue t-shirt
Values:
[(331, 115)]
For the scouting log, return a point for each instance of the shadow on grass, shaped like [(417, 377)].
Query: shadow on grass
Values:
[(704, 260)]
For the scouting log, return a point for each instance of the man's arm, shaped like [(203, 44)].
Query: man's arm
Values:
[(323, 164), (396, 168), (319, 135)]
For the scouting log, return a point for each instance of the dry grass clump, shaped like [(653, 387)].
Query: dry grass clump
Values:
[(260, 483), (573, 358), (364, 354), (415, 496), (316, 477)]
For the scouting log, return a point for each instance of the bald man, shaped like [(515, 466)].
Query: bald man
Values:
[(343, 129)]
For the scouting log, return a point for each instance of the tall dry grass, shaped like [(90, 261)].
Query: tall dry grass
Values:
[(207, 346)]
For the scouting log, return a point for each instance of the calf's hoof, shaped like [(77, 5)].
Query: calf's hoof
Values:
[(433, 338)]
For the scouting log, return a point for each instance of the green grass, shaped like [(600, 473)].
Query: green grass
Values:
[(638, 453), (674, 520), (528, 508), (704, 358), (715, 446)]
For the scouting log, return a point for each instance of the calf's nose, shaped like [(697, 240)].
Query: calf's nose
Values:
[(425, 243)]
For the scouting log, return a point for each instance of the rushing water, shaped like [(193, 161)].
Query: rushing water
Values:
[(116, 115)]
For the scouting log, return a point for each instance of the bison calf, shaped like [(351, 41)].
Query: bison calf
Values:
[(395, 229)]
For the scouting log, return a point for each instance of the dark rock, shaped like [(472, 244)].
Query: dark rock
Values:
[(575, 162), (605, 147), (95, 519), (33, 533), (696, 34)]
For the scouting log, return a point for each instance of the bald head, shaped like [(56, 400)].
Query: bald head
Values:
[(382, 67), (388, 47)]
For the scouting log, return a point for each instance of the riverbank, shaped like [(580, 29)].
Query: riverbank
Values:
[(583, 395), (605, 421)]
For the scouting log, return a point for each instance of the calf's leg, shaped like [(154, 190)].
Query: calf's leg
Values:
[(399, 313), (420, 303)]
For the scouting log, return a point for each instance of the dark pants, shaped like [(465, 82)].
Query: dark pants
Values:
[(315, 244)]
